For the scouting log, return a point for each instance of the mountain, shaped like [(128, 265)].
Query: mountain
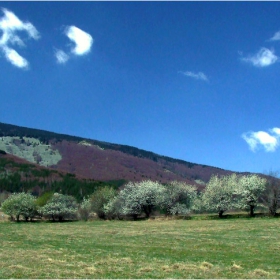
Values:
[(97, 160)]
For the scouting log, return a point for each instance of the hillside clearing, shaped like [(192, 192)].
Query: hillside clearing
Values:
[(234, 248)]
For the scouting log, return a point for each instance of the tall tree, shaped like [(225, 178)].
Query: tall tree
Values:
[(220, 194), (250, 188)]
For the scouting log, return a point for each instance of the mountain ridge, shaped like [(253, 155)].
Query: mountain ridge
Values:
[(99, 160)]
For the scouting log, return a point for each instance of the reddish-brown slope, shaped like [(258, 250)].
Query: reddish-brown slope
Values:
[(95, 163)]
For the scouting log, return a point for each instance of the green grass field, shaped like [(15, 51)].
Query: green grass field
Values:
[(228, 248)]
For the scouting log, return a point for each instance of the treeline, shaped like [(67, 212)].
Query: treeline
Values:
[(144, 198), (19, 177), (66, 184)]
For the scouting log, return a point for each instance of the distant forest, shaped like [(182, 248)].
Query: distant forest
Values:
[(21, 177)]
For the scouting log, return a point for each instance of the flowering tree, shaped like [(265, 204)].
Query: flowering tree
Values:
[(141, 197), (178, 198), (20, 204), (220, 194), (60, 207), (249, 191)]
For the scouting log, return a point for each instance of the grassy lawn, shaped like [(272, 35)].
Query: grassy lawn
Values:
[(228, 248)]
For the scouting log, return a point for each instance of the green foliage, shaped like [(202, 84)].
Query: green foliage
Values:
[(18, 177), (78, 188), (113, 209), (20, 204), (60, 207), (84, 209), (44, 198), (100, 198)]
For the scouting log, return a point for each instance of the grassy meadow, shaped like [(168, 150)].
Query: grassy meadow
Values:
[(227, 248)]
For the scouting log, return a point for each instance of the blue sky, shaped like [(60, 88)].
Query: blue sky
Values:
[(198, 81)]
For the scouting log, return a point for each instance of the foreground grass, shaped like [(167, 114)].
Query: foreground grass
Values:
[(231, 248)]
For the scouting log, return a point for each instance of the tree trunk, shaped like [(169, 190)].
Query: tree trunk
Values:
[(252, 210), (221, 213)]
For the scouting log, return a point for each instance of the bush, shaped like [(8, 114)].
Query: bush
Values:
[(84, 209), (44, 198), (20, 204), (100, 198), (60, 207)]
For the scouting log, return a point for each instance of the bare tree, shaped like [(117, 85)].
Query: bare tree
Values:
[(271, 196)]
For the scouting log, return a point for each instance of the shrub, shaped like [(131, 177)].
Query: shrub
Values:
[(100, 198), (20, 204), (84, 209), (44, 198), (60, 207)]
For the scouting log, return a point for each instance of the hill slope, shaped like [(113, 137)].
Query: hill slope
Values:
[(98, 160)]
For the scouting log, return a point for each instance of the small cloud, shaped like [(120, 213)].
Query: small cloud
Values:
[(275, 37), (16, 59), (263, 58), (61, 56), (269, 141), (83, 41), (276, 130), (197, 76), (9, 25)]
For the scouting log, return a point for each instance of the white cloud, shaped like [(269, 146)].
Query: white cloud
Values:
[(9, 25), (275, 37), (263, 58), (83, 41), (269, 141), (197, 76), (15, 58), (61, 56), (276, 130)]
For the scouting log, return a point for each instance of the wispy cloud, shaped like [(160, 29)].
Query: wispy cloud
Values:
[(263, 58), (269, 141), (197, 76), (61, 56), (83, 41), (10, 24), (275, 37)]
